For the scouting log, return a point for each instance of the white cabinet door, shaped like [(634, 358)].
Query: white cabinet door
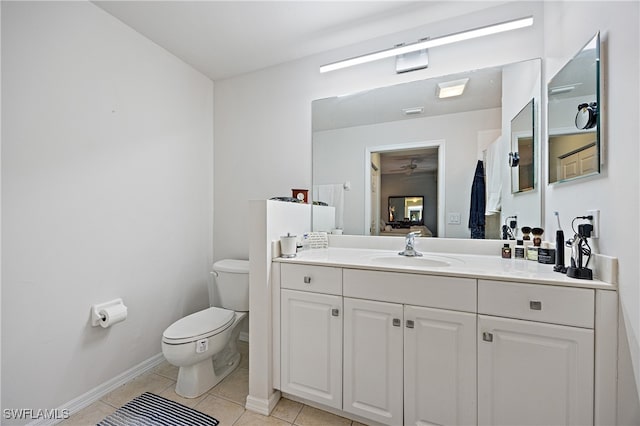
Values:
[(531, 373), (439, 367), (373, 360), (311, 344)]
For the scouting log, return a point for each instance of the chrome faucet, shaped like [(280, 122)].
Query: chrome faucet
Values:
[(409, 242)]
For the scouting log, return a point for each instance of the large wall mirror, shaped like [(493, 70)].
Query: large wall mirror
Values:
[(574, 116), (411, 140)]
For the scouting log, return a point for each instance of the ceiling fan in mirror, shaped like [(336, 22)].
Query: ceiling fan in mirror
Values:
[(409, 168)]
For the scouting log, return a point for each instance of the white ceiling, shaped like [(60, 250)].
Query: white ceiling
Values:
[(409, 161), (227, 38), (386, 104)]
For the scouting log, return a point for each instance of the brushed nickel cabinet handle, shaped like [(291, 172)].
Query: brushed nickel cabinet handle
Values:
[(410, 324), (335, 312), (535, 305), (307, 280), (397, 322), (487, 337)]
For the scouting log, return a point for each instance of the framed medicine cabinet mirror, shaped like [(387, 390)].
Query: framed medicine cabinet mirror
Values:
[(522, 156), (574, 116)]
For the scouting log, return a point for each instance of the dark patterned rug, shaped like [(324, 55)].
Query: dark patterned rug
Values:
[(153, 410)]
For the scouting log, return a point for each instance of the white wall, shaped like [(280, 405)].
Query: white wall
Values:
[(460, 158), (1, 406), (568, 26), (107, 181)]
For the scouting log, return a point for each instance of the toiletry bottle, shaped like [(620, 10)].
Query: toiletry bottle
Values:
[(506, 252), (518, 252)]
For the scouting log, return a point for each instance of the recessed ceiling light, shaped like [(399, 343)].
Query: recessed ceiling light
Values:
[(449, 89)]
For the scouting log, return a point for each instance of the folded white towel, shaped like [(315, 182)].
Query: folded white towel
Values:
[(333, 195), (494, 161)]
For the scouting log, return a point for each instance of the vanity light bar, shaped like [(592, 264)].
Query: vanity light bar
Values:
[(561, 89), (433, 42)]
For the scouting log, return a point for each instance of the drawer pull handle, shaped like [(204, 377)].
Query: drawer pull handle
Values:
[(535, 305), (397, 322), (335, 312), (410, 323), (487, 337), (307, 280)]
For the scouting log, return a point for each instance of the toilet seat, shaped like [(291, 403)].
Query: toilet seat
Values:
[(199, 325)]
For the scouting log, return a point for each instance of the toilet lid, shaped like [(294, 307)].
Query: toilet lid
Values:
[(199, 325), (234, 266)]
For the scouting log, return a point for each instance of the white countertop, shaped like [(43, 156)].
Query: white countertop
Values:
[(459, 265)]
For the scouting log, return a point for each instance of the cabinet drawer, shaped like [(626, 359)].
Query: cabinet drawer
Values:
[(432, 291), (544, 303), (317, 279)]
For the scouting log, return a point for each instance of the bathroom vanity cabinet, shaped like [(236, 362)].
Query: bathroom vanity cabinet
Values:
[(409, 347), (412, 348), (535, 354), (311, 333)]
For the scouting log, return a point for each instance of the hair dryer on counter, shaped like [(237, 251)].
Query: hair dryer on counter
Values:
[(579, 249)]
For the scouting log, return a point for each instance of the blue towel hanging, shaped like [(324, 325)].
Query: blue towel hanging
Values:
[(477, 210)]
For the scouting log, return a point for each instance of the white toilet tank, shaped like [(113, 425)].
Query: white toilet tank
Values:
[(229, 288)]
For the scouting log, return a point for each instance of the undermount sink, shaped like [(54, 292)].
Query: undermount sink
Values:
[(417, 261)]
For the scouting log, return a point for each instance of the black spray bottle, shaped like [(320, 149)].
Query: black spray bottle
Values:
[(559, 248)]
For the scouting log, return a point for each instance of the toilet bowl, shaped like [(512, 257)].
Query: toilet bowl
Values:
[(204, 344)]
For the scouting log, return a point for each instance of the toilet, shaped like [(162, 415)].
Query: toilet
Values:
[(204, 344)]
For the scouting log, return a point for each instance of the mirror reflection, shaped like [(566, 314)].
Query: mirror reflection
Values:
[(574, 129), (522, 144), (406, 214), (405, 140)]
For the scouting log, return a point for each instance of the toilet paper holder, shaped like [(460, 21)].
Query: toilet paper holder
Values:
[(95, 310)]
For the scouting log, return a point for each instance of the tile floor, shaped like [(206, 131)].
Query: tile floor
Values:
[(225, 402)]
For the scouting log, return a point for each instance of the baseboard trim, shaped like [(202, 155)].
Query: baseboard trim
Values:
[(99, 391), (263, 406)]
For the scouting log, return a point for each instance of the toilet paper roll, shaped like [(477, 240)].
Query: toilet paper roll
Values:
[(112, 315)]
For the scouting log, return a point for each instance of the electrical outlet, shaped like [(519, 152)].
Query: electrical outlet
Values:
[(453, 219), (595, 222)]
